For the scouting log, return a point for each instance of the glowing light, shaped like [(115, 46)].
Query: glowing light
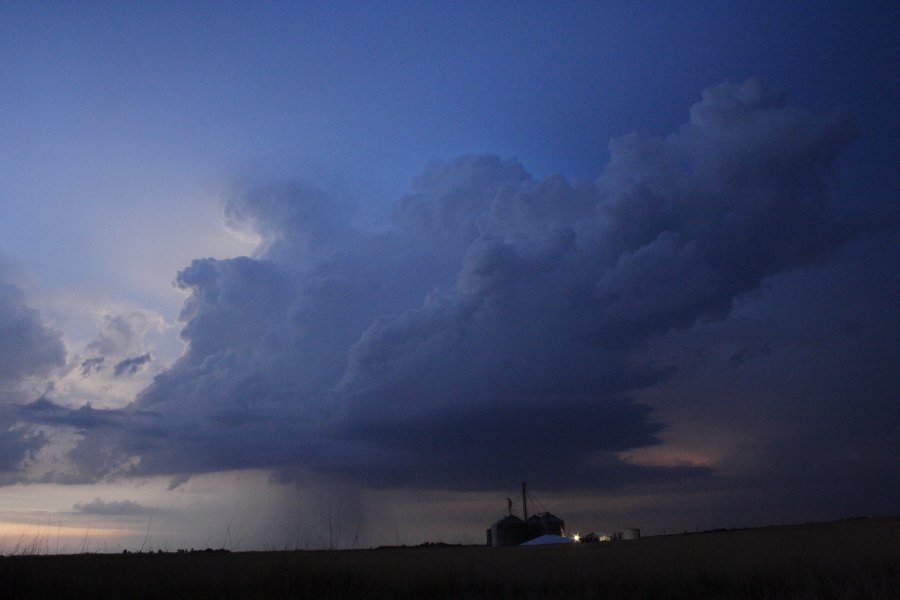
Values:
[(576, 537)]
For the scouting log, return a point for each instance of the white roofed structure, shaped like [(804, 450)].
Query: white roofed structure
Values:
[(549, 538)]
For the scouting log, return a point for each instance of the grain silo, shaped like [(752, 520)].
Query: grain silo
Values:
[(544, 523), (508, 531)]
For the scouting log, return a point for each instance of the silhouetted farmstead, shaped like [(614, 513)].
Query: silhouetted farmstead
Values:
[(512, 531)]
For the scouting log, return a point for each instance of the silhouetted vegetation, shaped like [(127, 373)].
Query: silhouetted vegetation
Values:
[(849, 559)]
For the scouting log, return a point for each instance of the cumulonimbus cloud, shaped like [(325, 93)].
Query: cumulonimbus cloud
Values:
[(494, 328)]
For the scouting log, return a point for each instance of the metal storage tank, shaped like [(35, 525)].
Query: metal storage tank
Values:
[(631, 534), (508, 531), (544, 523)]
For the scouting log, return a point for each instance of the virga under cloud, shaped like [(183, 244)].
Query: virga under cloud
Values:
[(496, 327)]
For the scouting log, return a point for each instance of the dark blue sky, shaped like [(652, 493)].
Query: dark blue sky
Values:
[(642, 251)]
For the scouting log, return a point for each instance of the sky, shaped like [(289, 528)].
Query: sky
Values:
[(280, 275)]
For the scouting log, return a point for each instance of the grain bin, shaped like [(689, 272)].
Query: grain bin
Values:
[(508, 531), (544, 523)]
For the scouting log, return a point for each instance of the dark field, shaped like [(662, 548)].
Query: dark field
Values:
[(848, 559)]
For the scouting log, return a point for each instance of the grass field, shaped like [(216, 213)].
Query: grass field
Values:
[(857, 559)]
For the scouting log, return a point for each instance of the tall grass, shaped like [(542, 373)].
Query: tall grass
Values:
[(856, 559)]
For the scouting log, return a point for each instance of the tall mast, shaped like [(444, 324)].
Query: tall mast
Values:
[(524, 502)]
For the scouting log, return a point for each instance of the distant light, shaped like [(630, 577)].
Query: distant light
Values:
[(576, 537)]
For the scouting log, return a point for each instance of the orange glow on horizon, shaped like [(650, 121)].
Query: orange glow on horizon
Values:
[(27, 532)]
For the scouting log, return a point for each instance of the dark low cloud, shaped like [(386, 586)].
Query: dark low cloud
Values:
[(92, 365), (45, 412), (131, 366), (496, 330), (17, 444), (564, 443), (121, 507)]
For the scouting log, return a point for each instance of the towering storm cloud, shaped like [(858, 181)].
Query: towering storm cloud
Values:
[(496, 327)]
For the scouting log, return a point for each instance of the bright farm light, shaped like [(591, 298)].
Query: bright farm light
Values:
[(576, 537)]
